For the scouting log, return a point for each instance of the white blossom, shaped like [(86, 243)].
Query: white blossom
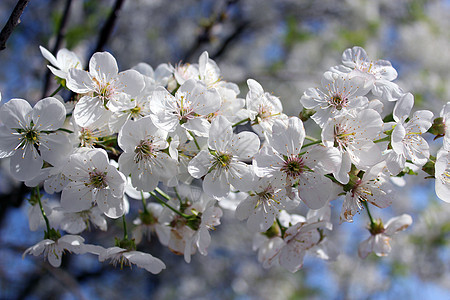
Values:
[(126, 257), (104, 88), (222, 164), (381, 235), (92, 179), (30, 137), (53, 250)]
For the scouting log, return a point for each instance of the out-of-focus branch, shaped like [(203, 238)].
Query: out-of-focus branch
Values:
[(61, 33), (12, 22), (108, 27), (240, 28), (66, 279), (14, 198), (205, 35)]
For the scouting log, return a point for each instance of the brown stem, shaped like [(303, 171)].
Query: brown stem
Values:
[(61, 33), (12, 22), (108, 27)]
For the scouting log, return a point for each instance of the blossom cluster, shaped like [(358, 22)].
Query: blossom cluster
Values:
[(182, 130)]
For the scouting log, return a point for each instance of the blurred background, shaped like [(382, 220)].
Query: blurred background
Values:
[(286, 45)]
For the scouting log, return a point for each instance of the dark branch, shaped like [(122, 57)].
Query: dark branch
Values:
[(12, 22), (108, 27), (61, 33), (205, 35), (230, 39)]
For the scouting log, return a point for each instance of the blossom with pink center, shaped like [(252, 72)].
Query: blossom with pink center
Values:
[(143, 157), (263, 107), (103, 88), (378, 74), (262, 206), (281, 160), (353, 135), (374, 187), (380, 236), (336, 97), (187, 109), (92, 179), (406, 139)]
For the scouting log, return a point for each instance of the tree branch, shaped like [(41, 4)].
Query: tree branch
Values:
[(240, 28), (61, 33), (205, 35), (12, 22), (108, 27)]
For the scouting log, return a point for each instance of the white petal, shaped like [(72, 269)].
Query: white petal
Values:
[(365, 247), (216, 184), (315, 190), (76, 197), (112, 207), (88, 110), (220, 134), (103, 66), (48, 56), (245, 145), (396, 224), (403, 107), (131, 82), (15, 113), (48, 114), (80, 81), (200, 164), (26, 164), (288, 141)]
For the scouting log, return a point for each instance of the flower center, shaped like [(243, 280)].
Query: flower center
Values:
[(87, 138), (266, 198), (144, 150), (294, 166), (119, 259), (136, 111), (445, 177), (185, 112), (264, 112), (223, 160), (342, 138), (97, 179), (337, 101), (104, 91), (29, 136)]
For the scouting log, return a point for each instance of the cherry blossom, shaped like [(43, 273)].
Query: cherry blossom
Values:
[(103, 88), (126, 257), (91, 179), (336, 97), (353, 135), (62, 63), (379, 240), (222, 164), (142, 158), (30, 137), (285, 163), (263, 107), (188, 108), (442, 174), (53, 250)]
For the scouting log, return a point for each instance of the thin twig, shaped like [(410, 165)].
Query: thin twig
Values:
[(61, 33), (108, 27), (205, 35), (13, 21), (238, 31)]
